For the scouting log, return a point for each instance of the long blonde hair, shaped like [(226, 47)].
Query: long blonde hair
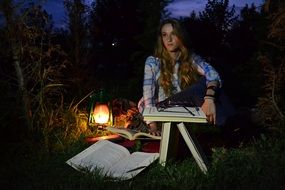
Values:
[(187, 72)]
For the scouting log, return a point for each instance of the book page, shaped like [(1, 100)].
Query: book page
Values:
[(124, 132), (101, 155), (132, 165), (132, 134), (106, 137), (141, 135)]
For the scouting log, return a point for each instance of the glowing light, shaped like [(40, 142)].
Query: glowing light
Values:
[(101, 113)]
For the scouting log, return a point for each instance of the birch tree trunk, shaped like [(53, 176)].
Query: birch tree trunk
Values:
[(14, 30), (23, 93)]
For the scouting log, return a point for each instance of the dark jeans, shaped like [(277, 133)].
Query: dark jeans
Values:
[(195, 95)]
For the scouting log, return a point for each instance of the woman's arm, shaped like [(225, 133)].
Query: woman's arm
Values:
[(209, 106), (213, 82), (210, 73), (149, 82)]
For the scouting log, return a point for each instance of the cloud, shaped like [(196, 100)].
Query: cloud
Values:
[(182, 8)]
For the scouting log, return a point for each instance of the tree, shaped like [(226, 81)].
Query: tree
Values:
[(218, 14), (77, 13), (37, 62), (271, 107), (113, 24), (217, 20), (121, 30), (243, 40), (150, 15), (13, 25)]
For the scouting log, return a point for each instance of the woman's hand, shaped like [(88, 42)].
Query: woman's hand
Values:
[(153, 129), (209, 108)]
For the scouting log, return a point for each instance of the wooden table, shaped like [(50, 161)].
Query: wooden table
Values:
[(171, 127)]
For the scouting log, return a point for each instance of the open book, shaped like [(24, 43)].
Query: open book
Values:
[(175, 114), (113, 138), (112, 160), (132, 134)]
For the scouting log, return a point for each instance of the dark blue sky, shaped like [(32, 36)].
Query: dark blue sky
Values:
[(185, 7), (177, 8)]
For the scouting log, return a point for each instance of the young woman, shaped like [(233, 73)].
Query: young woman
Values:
[(174, 68)]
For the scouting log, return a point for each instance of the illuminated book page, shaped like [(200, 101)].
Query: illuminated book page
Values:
[(132, 165), (112, 160), (101, 155)]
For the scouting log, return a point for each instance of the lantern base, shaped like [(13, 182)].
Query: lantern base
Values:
[(98, 127), (101, 128)]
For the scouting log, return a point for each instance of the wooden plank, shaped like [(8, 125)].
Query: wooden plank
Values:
[(169, 142), (194, 147)]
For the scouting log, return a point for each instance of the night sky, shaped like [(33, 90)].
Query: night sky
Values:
[(177, 8), (185, 7)]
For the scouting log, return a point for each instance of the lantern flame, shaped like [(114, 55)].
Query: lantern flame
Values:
[(101, 113)]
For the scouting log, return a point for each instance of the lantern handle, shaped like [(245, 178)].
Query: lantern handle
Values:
[(83, 99)]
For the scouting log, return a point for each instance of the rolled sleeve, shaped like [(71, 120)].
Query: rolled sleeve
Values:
[(207, 70), (149, 81)]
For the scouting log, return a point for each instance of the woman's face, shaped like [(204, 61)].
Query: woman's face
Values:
[(170, 41)]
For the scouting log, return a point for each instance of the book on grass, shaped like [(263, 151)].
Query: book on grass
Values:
[(132, 134), (175, 114), (112, 160)]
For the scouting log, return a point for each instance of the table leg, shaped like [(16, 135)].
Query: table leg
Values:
[(194, 147), (164, 143), (168, 143)]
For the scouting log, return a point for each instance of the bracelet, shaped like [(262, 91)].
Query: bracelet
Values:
[(214, 88), (209, 96)]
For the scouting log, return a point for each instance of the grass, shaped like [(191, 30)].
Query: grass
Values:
[(37, 160), (259, 165)]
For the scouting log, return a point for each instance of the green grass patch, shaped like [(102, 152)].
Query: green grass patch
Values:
[(260, 165)]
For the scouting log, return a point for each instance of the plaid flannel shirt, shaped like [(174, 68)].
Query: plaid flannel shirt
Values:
[(153, 92)]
